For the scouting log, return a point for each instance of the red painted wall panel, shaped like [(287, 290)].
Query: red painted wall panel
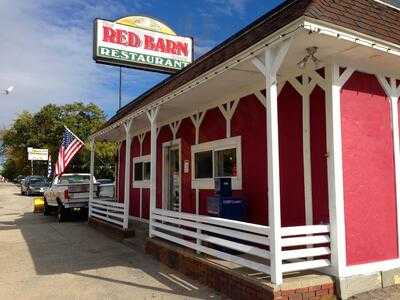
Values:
[(368, 172), (291, 156), (186, 133), (134, 204), (145, 203), (121, 179), (249, 121), (319, 172), (212, 128)]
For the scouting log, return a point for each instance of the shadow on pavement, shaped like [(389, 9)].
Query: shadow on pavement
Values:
[(75, 248)]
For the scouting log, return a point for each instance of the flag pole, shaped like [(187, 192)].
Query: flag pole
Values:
[(73, 134)]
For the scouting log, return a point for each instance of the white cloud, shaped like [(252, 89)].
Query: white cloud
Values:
[(46, 53), (227, 7)]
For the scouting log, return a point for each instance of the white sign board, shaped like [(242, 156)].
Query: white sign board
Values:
[(38, 154), (124, 45)]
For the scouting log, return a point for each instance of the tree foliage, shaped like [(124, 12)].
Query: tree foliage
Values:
[(45, 129)]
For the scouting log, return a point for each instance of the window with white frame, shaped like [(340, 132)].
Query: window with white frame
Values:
[(141, 171), (220, 158)]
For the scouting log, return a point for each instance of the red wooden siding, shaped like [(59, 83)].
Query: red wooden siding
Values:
[(121, 181), (134, 196), (249, 122), (212, 128), (165, 135), (291, 156), (319, 172), (186, 133), (368, 172)]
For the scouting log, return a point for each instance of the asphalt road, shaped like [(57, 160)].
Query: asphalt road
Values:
[(42, 259)]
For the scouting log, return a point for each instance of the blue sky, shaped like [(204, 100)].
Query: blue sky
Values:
[(47, 55)]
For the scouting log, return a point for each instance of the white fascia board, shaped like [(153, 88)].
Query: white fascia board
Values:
[(285, 32), (388, 4), (369, 268), (351, 36)]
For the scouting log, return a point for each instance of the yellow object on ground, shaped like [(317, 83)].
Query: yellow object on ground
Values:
[(38, 204)]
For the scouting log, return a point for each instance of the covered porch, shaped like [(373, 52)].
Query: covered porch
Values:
[(294, 185)]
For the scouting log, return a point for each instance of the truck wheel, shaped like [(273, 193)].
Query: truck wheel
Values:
[(60, 213)]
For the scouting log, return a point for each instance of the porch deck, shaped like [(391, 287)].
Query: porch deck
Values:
[(237, 281)]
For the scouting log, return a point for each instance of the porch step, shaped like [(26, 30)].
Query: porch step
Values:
[(111, 230), (138, 241), (238, 282)]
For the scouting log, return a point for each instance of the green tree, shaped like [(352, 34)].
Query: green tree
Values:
[(45, 129)]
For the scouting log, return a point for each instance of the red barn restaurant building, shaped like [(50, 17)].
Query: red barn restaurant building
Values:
[(300, 110)]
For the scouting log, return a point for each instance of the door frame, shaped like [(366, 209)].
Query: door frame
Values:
[(165, 146)]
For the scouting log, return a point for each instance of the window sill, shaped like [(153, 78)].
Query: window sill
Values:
[(208, 184), (141, 184)]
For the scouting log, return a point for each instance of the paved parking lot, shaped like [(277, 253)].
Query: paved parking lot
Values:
[(42, 259)]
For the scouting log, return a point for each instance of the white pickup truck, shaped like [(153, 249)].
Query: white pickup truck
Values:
[(68, 191)]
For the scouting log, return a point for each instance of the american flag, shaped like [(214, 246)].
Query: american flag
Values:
[(69, 147), (49, 167)]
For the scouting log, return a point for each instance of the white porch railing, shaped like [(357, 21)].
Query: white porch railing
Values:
[(243, 243), (107, 210), (305, 247)]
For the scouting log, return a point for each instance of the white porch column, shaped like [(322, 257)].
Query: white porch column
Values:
[(273, 60), (393, 92), (152, 116), (396, 146), (127, 183), (91, 190), (334, 83)]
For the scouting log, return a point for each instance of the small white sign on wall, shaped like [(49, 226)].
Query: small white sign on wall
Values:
[(186, 166)]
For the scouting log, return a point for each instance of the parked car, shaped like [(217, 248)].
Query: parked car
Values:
[(18, 179), (34, 185), (104, 181), (68, 191)]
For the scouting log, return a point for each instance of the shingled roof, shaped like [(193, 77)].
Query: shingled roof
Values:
[(364, 16)]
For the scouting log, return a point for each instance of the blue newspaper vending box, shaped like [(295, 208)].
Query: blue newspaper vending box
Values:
[(233, 208), (223, 204)]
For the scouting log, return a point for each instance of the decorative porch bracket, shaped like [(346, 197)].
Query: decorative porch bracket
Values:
[(392, 90), (152, 116), (228, 109), (273, 59), (141, 137), (197, 119), (174, 128), (91, 184), (127, 183)]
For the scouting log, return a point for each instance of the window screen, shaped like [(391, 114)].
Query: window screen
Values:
[(225, 163), (146, 170), (203, 164), (138, 171)]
